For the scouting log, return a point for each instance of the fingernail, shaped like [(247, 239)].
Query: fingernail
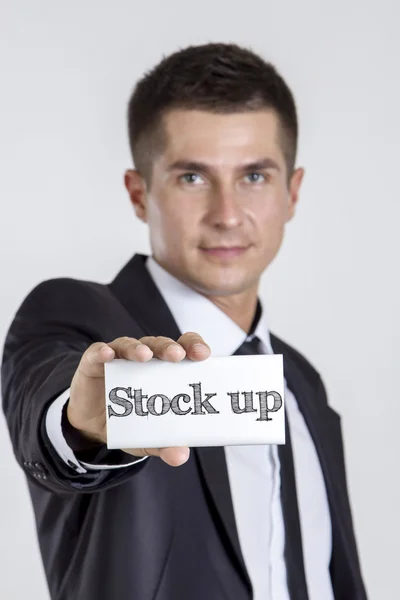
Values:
[(177, 349), (199, 347), (140, 346)]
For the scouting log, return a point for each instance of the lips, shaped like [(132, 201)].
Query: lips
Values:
[(224, 251)]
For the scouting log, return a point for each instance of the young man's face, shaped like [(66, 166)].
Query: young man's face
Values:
[(219, 199)]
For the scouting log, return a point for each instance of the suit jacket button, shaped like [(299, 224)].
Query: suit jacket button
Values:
[(40, 469)]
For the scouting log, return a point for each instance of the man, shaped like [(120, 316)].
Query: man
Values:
[(213, 133)]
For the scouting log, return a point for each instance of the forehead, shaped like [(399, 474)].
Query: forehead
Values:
[(217, 137)]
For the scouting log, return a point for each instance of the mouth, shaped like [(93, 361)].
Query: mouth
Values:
[(225, 251)]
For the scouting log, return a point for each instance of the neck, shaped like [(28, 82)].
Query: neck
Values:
[(240, 308)]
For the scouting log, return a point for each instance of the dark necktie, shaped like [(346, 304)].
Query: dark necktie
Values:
[(293, 546)]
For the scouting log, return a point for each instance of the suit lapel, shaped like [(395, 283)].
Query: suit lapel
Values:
[(214, 471), (324, 427), (137, 292), (316, 414)]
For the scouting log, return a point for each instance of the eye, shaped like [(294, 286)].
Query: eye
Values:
[(193, 178), (256, 177)]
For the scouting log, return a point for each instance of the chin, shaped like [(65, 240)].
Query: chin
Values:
[(214, 286)]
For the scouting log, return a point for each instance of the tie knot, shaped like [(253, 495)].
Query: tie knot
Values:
[(252, 346)]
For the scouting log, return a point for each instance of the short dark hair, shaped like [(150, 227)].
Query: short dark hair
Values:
[(217, 77)]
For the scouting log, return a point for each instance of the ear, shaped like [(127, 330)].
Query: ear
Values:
[(294, 190), (137, 191)]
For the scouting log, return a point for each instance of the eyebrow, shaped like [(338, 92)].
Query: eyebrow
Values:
[(199, 167)]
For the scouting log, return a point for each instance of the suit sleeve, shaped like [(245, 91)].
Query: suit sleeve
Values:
[(51, 330)]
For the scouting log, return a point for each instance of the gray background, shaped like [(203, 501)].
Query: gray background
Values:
[(67, 69)]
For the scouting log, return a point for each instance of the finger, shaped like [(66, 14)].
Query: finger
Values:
[(194, 345), (92, 362), (131, 349), (164, 348), (174, 457)]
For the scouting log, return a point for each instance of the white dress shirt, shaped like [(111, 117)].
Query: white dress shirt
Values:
[(254, 471)]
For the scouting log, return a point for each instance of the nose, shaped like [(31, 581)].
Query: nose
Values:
[(225, 209)]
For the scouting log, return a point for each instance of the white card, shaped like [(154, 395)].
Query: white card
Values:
[(221, 401)]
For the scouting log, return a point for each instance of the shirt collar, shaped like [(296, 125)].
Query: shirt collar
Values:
[(194, 312)]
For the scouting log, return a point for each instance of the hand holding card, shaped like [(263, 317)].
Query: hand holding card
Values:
[(86, 410)]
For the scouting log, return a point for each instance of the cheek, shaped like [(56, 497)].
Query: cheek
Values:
[(160, 214), (269, 215), (170, 223)]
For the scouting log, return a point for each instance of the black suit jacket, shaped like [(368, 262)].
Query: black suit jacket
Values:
[(148, 531)]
